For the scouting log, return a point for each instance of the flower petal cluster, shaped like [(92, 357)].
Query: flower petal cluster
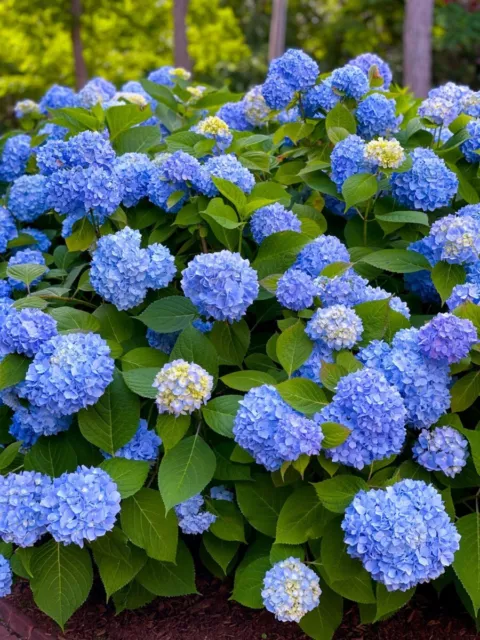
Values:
[(26, 330), (6, 577), (221, 493), (42, 241), (402, 534), (455, 239), (386, 154), (221, 285), (97, 90), (376, 116), (296, 290), (447, 338), (143, 446), (290, 590), (320, 98), (58, 97), (347, 288), (350, 81), (463, 293), (337, 207), (8, 229), (81, 506), (191, 519), (22, 517), (296, 435), (470, 147), (441, 111), (319, 253), (255, 108), (122, 271), (374, 412), (15, 155), (442, 449), (5, 293), (26, 256), (338, 326), (69, 372), (428, 185), (348, 159), (204, 326), (162, 341), (311, 367), (227, 167), (273, 218), (296, 68), (182, 387), (28, 424), (216, 129), (26, 108), (134, 172), (27, 199), (233, 114), (365, 62), (162, 75)]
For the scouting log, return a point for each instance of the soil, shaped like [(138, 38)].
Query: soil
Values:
[(211, 616)]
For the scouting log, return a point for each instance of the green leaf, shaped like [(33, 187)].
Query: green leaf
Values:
[(389, 602), (231, 341), (335, 434), (293, 347), (340, 117), (261, 503), (320, 181), (473, 438), (289, 172), (171, 429), (330, 374), (13, 369), (278, 252), (62, 579), (321, 623), (160, 93), (82, 237), (69, 319), (445, 276), (144, 357), (169, 315), (194, 346), (337, 493), (170, 578), (136, 140), (220, 413), (359, 188), (52, 456), (26, 273), (465, 391), (229, 524), (129, 475), (133, 596), (113, 420), (114, 324), (231, 192), (375, 316), (397, 260), (222, 551), (413, 217), (471, 312), (467, 559), (8, 455), (221, 214), (147, 525), (123, 117), (303, 395), (185, 470), (249, 583), (302, 517), (140, 381), (246, 380)]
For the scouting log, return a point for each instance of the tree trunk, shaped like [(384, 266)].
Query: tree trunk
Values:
[(81, 73), (276, 45), (417, 46), (182, 59)]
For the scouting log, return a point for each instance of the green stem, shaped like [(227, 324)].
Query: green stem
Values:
[(365, 222)]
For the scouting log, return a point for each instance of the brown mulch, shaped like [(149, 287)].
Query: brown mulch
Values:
[(212, 616)]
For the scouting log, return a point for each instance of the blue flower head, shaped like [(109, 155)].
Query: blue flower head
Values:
[(376, 116), (319, 253), (159, 191), (162, 75), (276, 92), (256, 109), (311, 367), (14, 158), (6, 577), (182, 387), (366, 60), (470, 147), (374, 411), (221, 493), (5, 293), (134, 172), (214, 128), (441, 111), (81, 506), (27, 108), (22, 517), (143, 446), (402, 534), (290, 590), (162, 341), (26, 330), (395, 303), (192, 520), (320, 97), (420, 283), (455, 239), (337, 207), (272, 218), (338, 326), (470, 104), (348, 289), (442, 449), (97, 90), (27, 199), (227, 167), (296, 435), (221, 285), (8, 229), (350, 81), (53, 131), (180, 167), (42, 241), (204, 326), (83, 150), (447, 338), (296, 290), (58, 97), (233, 113), (29, 424), (348, 159), (428, 185), (462, 293), (296, 68), (450, 91), (26, 256), (69, 372)]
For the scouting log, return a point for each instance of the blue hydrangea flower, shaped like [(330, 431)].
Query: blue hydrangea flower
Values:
[(191, 519), (402, 534), (162, 341), (394, 302), (58, 97), (450, 91), (455, 239), (442, 449), (159, 191), (297, 68), (471, 210), (22, 518), (296, 290), (162, 75), (83, 150), (29, 424), (233, 113), (273, 218), (227, 167), (311, 367), (296, 435), (256, 109), (439, 110), (350, 81), (6, 577), (420, 283), (462, 293), (374, 412), (14, 158), (348, 288), (81, 506), (204, 326), (320, 97), (134, 172), (221, 285), (470, 104), (348, 159), (290, 590), (26, 256), (97, 90), (447, 338), (42, 241), (26, 108), (366, 60), (180, 167), (473, 272), (143, 446), (121, 271), (69, 372), (319, 253), (338, 326), (221, 493), (53, 131), (428, 185), (27, 199), (470, 147), (26, 330), (182, 387), (5, 290), (8, 229), (276, 92), (337, 207), (376, 116), (214, 128)]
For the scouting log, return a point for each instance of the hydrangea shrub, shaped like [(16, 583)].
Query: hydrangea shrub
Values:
[(245, 330)]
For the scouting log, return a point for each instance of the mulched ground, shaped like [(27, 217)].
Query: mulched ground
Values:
[(212, 616)]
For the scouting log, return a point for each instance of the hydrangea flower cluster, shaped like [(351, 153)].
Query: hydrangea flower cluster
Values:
[(8, 229), (162, 341), (143, 446), (366, 61), (225, 166), (28, 197), (376, 116), (28, 424), (58, 97), (471, 146), (272, 218), (6, 577), (14, 158), (439, 110), (447, 338), (25, 331), (134, 171), (442, 449), (255, 108), (293, 71), (402, 534), (97, 90), (455, 239), (290, 590), (191, 519), (216, 129), (296, 435), (122, 271), (386, 154), (26, 256), (350, 81), (182, 387), (311, 367), (41, 241), (68, 373), (463, 293), (221, 493), (296, 290), (320, 98), (25, 108), (221, 285), (316, 255), (81, 506), (338, 326), (348, 159), (233, 114)]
